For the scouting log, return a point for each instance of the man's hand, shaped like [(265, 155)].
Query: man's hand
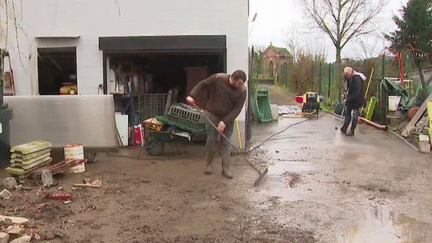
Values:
[(190, 100), (221, 126)]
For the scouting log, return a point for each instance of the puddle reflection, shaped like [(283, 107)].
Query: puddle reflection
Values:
[(385, 226)]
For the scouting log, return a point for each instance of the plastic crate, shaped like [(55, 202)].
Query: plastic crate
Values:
[(184, 117), (186, 112)]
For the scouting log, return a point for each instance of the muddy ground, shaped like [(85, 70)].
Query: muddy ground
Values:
[(321, 187)]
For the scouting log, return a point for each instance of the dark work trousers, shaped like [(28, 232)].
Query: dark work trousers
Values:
[(213, 135), (348, 110)]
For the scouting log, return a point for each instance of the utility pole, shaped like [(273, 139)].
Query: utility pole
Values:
[(320, 76)]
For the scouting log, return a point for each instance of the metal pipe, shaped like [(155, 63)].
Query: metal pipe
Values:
[(1, 75)]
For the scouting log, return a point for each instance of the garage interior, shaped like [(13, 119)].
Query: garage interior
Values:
[(164, 71)]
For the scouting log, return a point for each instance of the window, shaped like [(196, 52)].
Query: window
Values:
[(57, 71)]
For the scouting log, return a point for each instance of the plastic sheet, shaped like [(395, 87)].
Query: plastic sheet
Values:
[(62, 120)]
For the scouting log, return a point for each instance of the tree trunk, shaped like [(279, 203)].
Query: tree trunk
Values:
[(338, 54), (338, 80)]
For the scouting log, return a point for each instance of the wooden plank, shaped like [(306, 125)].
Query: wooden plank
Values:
[(411, 125), (87, 185)]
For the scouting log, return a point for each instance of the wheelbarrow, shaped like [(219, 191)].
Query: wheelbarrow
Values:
[(184, 123), (155, 141)]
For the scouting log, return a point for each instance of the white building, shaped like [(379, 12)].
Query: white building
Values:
[(53, 43)]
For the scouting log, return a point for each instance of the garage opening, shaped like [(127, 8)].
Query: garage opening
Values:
[(57, 71), (150, 73), (157, 76)]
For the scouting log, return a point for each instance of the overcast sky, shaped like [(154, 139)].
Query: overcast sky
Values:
[(277, 19)]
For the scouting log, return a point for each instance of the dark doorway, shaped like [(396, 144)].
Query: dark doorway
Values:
[(56, 69), (158, 74)]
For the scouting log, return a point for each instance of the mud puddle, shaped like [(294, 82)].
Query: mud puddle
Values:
[(384, 225)]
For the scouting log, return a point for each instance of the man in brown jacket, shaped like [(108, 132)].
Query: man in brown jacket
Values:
[(225, 100)]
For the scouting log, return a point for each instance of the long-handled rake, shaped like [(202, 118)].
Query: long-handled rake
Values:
[(261, 174)]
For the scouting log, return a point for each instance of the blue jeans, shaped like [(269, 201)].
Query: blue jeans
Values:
[(213, 135)]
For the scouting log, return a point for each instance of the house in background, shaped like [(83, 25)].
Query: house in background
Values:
[(275, 61)]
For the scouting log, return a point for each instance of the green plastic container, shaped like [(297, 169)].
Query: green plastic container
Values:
[(5, 117), (184, 117), (370, 108), (261, 105)]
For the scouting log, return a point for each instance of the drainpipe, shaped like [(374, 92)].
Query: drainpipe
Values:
[(2, 55)]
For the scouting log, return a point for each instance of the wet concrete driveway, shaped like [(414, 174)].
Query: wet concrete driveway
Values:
[(321, 187), (368, 188)]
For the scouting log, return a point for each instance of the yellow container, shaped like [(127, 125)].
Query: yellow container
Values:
[(429, 110), (430, 134)]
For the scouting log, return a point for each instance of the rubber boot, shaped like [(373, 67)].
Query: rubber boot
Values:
[(345, 126), (350, 132), (343, 129), (209, 160), (226, 164)]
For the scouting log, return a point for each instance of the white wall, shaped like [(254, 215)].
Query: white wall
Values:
[(14, 39), (93, 19), (96, 18)]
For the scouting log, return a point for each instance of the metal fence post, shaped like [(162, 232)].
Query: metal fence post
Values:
[(319, 78), (329, 80)]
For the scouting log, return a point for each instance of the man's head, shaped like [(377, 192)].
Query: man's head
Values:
[(237, 79), (348, 72)]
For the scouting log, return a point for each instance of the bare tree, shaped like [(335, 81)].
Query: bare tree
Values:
[(293, 40), (342, 20), (297, 39), (368, 48)]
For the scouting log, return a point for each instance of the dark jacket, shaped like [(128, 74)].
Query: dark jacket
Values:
[(355, 92)]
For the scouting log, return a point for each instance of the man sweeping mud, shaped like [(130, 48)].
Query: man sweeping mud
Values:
[(226, 97)]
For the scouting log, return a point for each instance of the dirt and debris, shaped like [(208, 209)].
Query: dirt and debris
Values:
[(142, 201), (321, 187), (96, 183)]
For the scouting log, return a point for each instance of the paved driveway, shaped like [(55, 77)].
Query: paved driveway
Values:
[(368, 188)]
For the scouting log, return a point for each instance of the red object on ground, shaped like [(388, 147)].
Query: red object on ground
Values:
[(61, 196), (412, 111), (299, 99), (138, 136), (379, 126)]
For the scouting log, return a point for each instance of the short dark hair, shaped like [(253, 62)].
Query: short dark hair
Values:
[(239, 74)]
